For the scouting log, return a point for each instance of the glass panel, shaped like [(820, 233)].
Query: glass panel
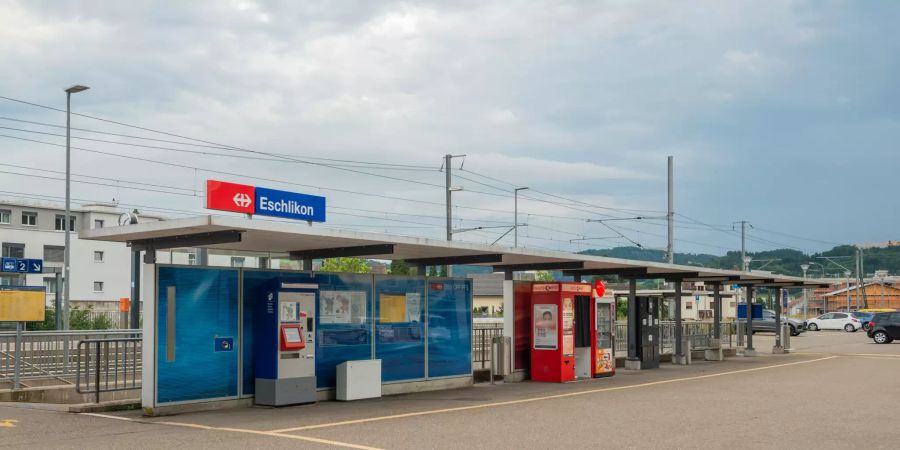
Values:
[(400, 330), (449, 327), (344, 323), (604, 325)]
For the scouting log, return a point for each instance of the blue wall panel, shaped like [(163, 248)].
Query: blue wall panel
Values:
[(340, 342), (449, 327), (400, 343), (255, 285), (206, 308)]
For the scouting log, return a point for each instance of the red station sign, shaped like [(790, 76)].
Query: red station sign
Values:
[(230, 197)]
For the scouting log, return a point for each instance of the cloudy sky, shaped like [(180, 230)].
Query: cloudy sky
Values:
[(783, 114)]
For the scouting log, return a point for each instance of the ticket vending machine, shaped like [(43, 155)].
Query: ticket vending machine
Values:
[(284, 345), (604, 355), (647, 320), (562, 331)]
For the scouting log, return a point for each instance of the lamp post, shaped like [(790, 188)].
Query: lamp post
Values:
[(847, 274), (516, 216), (881, 274), (68, 221), (804, 268)]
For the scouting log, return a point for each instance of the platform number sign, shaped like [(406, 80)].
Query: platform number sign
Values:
[(22, 265)]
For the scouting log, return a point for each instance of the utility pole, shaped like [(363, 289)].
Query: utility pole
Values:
[(859, 282), (670, 215), (448, 159), (67, 260), (516, 216), (448, 179), (745, 263)]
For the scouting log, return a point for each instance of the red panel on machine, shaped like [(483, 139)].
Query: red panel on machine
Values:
[(552, 343)]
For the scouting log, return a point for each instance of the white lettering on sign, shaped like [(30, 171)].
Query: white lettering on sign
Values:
[(290, 206)]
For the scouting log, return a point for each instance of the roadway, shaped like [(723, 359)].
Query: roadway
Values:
[(838, 390)]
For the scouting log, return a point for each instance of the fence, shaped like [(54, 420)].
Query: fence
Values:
[(482, 334), (47, 354), (698, 333), (99, 360)]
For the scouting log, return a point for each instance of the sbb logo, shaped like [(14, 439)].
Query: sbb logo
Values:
[(230, 197)]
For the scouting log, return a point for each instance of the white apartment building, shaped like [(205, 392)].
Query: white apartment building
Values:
[(100, 271)]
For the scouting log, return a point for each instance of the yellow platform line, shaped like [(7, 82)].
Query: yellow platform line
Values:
[(537, 399)]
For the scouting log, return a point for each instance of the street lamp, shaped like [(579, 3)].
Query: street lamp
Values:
[(804, 268), (68, 221), (847, 274), (747, 261), (516, 217)]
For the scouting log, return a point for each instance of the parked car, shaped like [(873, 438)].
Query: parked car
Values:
[(864, 318), (884, 327), (834, 321), (767, 323)]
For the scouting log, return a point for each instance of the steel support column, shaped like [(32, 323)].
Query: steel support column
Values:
[(779, 346), (679, 347), (632, 321), (717, 311), (749, 350)]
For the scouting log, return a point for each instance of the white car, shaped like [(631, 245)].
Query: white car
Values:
[(834, 321)]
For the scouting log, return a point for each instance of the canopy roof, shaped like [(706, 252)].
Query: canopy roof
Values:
[(301, 240)]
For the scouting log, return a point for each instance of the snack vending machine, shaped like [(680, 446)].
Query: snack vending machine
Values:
[(604, 361), (284, 345)]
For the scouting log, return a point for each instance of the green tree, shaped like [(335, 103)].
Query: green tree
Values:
[(543, 276), (347, 265), (399, 267)]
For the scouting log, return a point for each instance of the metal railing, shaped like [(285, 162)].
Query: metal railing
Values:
[(698, 333), (47, 354), (108, 365), (481, 344)]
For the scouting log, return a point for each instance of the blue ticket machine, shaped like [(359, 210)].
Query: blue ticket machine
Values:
[(284, 345)]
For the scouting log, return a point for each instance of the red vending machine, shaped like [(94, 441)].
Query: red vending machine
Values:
[(562, 331), (604, 355)]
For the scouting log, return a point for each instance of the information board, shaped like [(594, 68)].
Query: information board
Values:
[(22, 303)]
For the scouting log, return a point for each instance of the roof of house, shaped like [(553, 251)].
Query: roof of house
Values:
[(887, 288)]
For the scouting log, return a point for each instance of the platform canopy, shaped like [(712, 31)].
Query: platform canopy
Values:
[(302, 241)]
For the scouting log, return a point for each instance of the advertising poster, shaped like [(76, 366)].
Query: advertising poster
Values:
[(568, 326), (413, 307), (342, 307), (392, 308), (605, 362), (545, 337), (358, 309)]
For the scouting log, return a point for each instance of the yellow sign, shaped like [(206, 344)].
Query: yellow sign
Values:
[(8, 423), (21, 305), (392, 308)]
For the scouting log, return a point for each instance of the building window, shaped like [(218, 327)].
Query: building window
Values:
[(11, 250), (29, 219), (4, 216), (732, 304), (192, 259), (688, 305), (98, 286), (60, 223), (50, 284), (98, 223), (237, 261), (54, 253), (98, 256)]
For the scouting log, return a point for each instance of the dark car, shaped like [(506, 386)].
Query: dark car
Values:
[(884, 327), (864, 318), (767, 323)]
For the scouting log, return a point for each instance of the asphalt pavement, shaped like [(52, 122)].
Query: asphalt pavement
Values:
[(837, 390)]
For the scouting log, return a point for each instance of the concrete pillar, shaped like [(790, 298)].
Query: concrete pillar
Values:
[(509, 319), (632, 362), (749, 351), (678, 357)]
